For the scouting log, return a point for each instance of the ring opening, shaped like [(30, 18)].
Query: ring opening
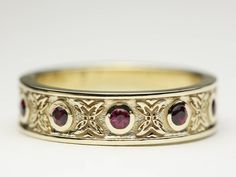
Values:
[(115, 79)]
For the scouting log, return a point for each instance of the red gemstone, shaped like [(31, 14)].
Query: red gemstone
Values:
[(60, 116), (22, 107), (120, 118), (179, 114)]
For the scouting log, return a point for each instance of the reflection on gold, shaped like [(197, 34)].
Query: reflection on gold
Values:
[(117, 79)]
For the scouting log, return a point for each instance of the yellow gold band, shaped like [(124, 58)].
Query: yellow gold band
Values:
[(118, 105)]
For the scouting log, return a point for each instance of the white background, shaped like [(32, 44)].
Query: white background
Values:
[(37, 34)]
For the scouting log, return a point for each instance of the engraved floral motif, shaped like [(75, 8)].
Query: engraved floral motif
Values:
[(88, 125), (199, 103), (152, 126), (88, 115), (39, 121)]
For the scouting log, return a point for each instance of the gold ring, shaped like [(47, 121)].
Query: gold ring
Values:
[(118, 105)]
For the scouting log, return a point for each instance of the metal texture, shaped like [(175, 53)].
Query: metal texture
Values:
[(149, 94)]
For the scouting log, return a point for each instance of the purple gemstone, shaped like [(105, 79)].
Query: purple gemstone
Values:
[(179, 114), (22, 107), (120, 118), (60, 116)]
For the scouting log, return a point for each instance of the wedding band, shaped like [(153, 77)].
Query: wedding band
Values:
[(118, 105)]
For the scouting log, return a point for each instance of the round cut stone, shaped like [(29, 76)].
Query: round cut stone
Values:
[(179, 114), (120, 118), (60, 116), (22, 107)]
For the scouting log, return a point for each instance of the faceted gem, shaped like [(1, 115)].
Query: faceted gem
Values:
[(179, 114), (120, 118), (22, 107), (60, 116), (213, 107)]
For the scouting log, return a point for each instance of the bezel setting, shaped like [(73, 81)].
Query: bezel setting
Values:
[(68, 124), (123, 130), (24, 118), (86, 111), (210, 108), (169, 116)]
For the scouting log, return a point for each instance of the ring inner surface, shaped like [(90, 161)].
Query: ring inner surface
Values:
[(118, 79)]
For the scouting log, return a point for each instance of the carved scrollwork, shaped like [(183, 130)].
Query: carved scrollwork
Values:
[(150, 115), (199, 103), (152, 125), (88, 125), (39, 120)]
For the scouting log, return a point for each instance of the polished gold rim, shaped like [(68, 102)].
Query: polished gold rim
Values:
[(176, 140), (118, 105)]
